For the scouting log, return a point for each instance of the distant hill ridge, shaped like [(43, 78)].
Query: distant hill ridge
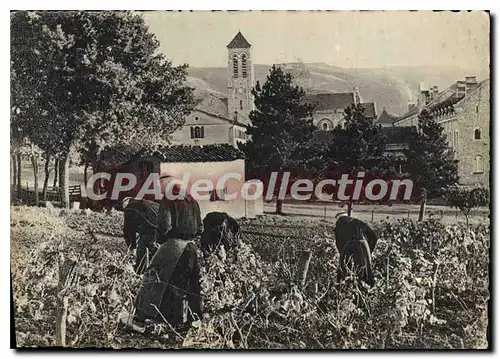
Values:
[(390, 88)]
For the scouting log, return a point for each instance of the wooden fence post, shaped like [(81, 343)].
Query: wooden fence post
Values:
[(66, 279), (373, 212), (325, 212), (304, 267)]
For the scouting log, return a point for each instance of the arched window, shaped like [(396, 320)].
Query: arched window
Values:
[(477, 134), (479, 164), (241, 104), (235, 66), (197, 132), (325, 124), (244, 65)]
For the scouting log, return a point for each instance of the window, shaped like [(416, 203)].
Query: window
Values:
[(244, 65), (197, 132), (325, 124), (235, 66), (479, 164), (477, 108), (240, 134), (241, 104), (477, 134), (196, 118), (455, 139)]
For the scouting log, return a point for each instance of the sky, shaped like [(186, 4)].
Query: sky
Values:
[(355, 39)]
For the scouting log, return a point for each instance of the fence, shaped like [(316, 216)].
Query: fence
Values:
[(377, 213), (27, 194)]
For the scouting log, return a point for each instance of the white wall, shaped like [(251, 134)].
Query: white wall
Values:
[(213, 171)]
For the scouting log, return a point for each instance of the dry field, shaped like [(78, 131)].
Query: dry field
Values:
[(431, 286)]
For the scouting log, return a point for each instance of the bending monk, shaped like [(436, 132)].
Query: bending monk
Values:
[(170, 289), (140, 218), (356, 255), (219, 228)]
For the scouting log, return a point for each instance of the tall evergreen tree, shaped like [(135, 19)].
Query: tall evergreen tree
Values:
[(281, 128), (358, 146), (431, 162)]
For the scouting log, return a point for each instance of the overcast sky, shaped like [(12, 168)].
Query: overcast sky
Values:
[(345, 39)]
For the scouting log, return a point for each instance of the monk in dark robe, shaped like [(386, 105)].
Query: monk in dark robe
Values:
[(140, 218), (356, 255), (219, 228), (347, 228), (170, 289)]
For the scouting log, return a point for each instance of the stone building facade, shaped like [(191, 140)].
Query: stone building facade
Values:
[(329, 108), (219, 119), (463, 110)]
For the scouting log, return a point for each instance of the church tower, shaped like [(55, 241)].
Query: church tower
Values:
[(240, 78)]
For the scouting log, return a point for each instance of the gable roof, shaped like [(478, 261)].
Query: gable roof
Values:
[(330, 101), (239, 42), (213, 104), (385, 117), (209, 153)]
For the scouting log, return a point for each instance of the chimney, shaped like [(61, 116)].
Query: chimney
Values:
[(470, 83), (357, 99), (423, 96), (461, 89), (434, 92)]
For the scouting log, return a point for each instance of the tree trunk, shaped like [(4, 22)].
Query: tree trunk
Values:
[(14, 175), (85, 173), (34, 163), (467, 219), (64, 180), (19, 164), (46, 179), (349, 209), (422, 210), (56, 172), (279, 206)]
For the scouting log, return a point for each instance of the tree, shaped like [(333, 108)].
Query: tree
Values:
[(358, 146), (281, 128), (465, 200), (93, 80), (430, 161)]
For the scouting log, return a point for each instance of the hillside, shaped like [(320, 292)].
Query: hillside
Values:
[(391, 88)]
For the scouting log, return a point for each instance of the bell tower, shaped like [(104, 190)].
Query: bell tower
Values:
[(240, 78)]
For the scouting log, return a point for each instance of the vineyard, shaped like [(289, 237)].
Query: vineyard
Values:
[(432, 286)]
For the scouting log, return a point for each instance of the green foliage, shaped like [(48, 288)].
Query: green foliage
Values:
[(430, 161), (465, 200), (281, 126)]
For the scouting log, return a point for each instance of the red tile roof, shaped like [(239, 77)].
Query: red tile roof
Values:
[(239, 42)]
